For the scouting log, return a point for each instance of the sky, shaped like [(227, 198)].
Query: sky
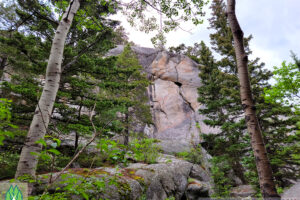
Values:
[(274, 25)]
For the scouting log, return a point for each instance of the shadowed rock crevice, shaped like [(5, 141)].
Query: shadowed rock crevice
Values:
[(178, 84), (185, 100)]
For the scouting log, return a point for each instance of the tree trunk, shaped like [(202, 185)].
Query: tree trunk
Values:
[(126, 136), (2, 65), (2, 72), (76, 133), (266, 181), (38, 128), (239, 171), (5, 70)]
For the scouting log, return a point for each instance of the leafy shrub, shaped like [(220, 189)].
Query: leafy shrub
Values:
[(170, 198), (87, 160), (144, 150), (111, 151), (193, 156), (5, 118), (8, 163), (80, 187), (219, 170)]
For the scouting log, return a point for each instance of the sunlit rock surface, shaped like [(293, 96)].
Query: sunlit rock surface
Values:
[(173, 98)]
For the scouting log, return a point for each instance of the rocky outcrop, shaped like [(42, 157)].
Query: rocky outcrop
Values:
[(293, 192), (173, 98), (243, 191), (170, 177)]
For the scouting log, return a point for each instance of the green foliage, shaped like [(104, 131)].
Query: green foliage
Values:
[(124, 87), (159, 40), (27, 55), (90, 187), (193, 156), (170, 198), (280, 190), (171, 14), (48, 156), (220, 97), (8, 163), (6, 126), (220, 170), (111, 151), (114, 153), (286, 88), (144, 150)]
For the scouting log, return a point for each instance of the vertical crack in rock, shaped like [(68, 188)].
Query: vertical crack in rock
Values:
[(152, 96), (180, 89), (161, 110), (185, 100), (177, 78)]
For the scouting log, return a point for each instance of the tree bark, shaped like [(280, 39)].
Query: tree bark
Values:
[(126, 136), (3, 65), (266, 181), (76, 133), (38, 128)]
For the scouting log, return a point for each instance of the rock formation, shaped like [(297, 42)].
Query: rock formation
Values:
[(170, 177), (173, 98)]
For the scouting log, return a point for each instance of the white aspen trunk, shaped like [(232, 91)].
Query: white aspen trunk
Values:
[(263, 165), (38, 128), (5, 76)]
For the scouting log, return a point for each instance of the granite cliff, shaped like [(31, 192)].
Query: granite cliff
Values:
[(173, 98)]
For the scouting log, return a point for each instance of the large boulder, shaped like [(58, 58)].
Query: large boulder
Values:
[(293, 192), (197, 190), (169, 177), (243, 191)]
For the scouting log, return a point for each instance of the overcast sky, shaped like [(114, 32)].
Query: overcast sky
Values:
[(274, 24)]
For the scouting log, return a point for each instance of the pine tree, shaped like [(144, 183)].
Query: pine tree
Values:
[(128, 88), (221, 99)]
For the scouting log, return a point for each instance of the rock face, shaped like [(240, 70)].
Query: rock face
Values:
[(243, 191), (293, 192), (173, 98), (170, 177)]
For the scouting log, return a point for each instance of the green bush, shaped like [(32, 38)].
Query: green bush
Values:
[(86, 160), (111, 151), (80, 187), (219, 169), (193, 156), (144, 150), (8, 163), (5, 118)]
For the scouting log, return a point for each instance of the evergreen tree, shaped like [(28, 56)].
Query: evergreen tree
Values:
[(277, 121), (128, 88), (220, 96)]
